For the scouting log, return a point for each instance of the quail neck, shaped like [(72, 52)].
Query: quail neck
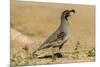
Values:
[(64, 25)]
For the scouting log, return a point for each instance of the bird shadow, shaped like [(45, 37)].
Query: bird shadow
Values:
[(57, 55)]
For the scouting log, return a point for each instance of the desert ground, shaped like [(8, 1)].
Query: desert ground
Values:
[(33, 22)]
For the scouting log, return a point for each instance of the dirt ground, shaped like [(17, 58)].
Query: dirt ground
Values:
[(33, 22)]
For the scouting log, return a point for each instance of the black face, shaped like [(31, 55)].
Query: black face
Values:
[(67, 13), (66, 16)]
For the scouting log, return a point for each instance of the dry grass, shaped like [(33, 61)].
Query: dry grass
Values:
[(24, 57)]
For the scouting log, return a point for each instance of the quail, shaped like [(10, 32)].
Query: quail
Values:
[(60, 36)]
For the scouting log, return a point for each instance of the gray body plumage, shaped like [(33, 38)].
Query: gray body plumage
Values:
[(62, 31)]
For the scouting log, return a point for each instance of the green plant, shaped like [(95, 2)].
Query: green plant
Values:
[(91, 53)]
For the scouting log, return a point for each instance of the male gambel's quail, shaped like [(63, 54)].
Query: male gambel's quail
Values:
[(60, 36)]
